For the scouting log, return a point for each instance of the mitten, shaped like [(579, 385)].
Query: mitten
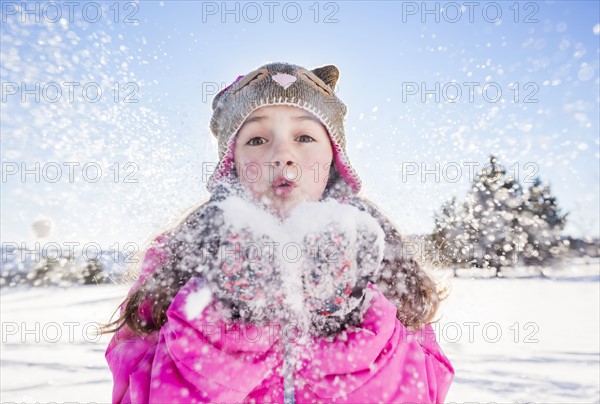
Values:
[(241, 267), (342, 251)]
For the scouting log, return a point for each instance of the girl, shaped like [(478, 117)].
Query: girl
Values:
[(286, 285)]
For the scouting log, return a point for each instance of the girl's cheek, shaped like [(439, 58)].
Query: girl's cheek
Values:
[(252, 171)]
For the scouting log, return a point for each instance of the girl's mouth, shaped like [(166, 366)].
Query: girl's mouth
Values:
[(282, 186)]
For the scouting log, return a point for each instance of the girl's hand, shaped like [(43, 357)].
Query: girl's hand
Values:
[(342, 251), (342, 248), (243, 267)]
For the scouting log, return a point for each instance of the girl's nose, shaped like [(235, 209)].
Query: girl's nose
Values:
[(288, 163), (282, 154)]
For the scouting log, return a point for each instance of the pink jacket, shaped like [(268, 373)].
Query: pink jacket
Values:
[(206, 360)]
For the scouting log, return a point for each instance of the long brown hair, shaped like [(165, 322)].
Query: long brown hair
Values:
[(403, 281)]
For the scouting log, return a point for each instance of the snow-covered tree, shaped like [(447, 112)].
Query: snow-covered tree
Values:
[(93, 273), (498, 224), (490, 218), (542, 222), (448, 230)]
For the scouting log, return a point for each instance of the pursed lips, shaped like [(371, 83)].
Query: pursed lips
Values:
[(282, 186)]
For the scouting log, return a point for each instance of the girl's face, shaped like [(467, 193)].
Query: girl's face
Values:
[(282, 155)]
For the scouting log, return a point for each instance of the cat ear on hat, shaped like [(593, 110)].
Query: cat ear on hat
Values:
[(329, 74), (220, 93)]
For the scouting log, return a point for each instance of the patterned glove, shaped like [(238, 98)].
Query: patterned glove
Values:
[(242, 269), (342, 251)]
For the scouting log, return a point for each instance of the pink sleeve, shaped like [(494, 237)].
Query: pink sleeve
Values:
[(154, 258), (440, 372), (197, 357), (379, 361), (129, 355)]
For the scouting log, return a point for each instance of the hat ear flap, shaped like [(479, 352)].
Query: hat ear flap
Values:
[(329, 74)]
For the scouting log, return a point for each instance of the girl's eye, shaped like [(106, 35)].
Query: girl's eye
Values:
[(306, 139), (255, 141)]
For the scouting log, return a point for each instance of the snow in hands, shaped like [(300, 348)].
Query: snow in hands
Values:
[(311, 268)]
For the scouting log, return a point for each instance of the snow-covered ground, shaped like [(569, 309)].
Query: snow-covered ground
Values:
[(510, 340)]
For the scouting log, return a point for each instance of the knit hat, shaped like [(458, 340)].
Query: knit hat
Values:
[(281, 84)]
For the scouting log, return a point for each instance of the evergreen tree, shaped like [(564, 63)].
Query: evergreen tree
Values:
[(498, 224), (93, 273), (491, 217), (543, 222), (448, 229)]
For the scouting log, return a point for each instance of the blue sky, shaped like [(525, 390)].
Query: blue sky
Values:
[(387, 52)]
